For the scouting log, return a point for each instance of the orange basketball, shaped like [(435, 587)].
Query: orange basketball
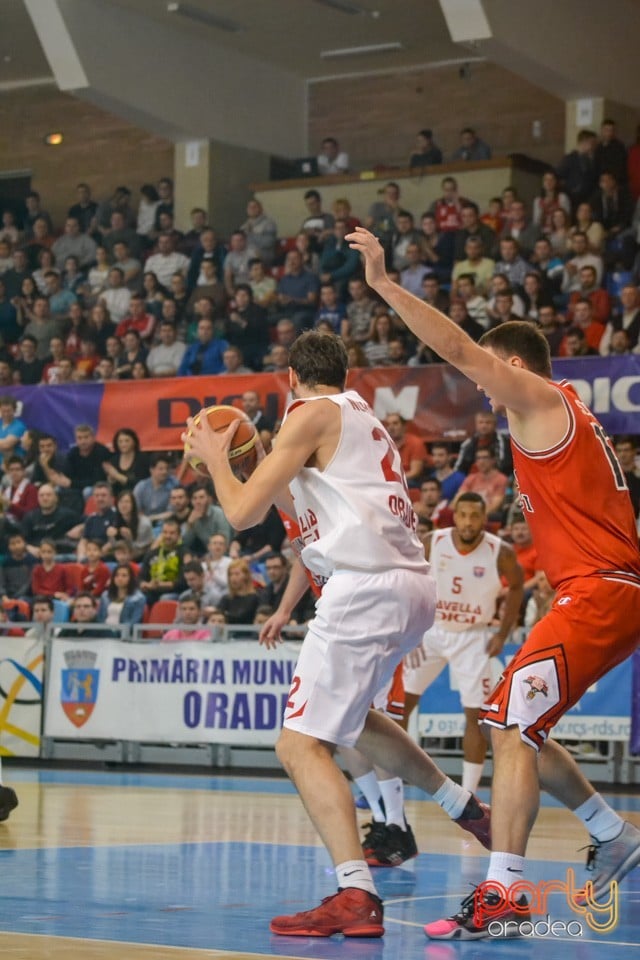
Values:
[(242, 455)]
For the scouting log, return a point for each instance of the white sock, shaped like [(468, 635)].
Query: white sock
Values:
[(471, 775), (452, 798), (370, 788), (355, 873), (505, 868), (393, 795), (601, 821)]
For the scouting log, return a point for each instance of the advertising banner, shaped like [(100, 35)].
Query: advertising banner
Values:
[(603, 713), (438, 400), (21, 689), (188, 692)]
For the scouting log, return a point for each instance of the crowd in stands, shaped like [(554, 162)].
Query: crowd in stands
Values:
[(117, 292)]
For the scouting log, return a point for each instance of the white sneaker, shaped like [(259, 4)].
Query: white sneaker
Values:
[(613, 859)]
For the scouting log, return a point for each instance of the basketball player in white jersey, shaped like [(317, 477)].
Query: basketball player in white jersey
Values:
[(468, 565), (335, 468), (8, 799)]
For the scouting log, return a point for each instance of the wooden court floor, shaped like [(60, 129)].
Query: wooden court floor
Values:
[(106, 865)]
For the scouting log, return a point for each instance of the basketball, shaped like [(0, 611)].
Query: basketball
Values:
[(242, 455)]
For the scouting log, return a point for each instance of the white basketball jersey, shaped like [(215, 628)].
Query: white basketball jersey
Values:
[(467, 584), (356, 514)]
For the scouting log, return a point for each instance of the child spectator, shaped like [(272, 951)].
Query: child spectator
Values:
[(95, 575), (48, 578), (16, 570)]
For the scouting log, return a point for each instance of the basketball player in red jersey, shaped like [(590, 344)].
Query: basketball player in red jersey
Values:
[(578, 507)]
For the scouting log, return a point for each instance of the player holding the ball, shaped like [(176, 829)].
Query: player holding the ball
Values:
[(336, 469), (576, 501)]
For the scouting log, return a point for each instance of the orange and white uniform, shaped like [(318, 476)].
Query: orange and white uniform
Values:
[(576, 502)]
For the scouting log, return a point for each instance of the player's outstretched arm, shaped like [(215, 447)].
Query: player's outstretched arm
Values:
[(512, 387), (293, 592)]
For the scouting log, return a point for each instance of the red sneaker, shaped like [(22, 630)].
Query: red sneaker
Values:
[(476, 818), (350, 911)]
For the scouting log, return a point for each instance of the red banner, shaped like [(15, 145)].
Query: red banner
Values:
[(438, 400)]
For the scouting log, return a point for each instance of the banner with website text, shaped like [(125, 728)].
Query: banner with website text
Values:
[(603, 713), (438, 400)]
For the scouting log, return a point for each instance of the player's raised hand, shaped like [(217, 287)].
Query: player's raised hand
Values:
[(371, 249)]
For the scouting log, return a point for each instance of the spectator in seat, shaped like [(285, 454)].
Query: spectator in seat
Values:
[(189, 625), (161, 574), (234, 362), (433, 293), (194, 576), (381, 218), (360, 309), (263, 285), (549, 325), (204, 521), (414, 271), (261, 231), (550, 198), (20, 496), (612, 205), (337, 262), (51, 521), (442, 471), (628, 319), (205, 355), (49, 578), (211, 250), (164, 359), (132, 527), (241, 601), (127, 465), (137, 319), (426, 153), (85, 461), (166, 261), (95, 573), (589, 290), (412, 449), (192, 238), (524, 549), (84, 210), (215, 564), (474, 264), (583, 320), (117, 297), (122, 602), (277, 360), (85, 614), (488, 481), (16, 569), (74, 243), (436, 247), (331, 310), (472, 226), (485, 437), (517, 227), (97, 523), (574, 344), (152, 494), (577, 171), (247, 327), (431, 506), (12, 429), (511, 263), (534, 294), (627, 452), (447, 209), (476, 305), (472, 148), (610, 155), (27, 369), (236, 262), (43, 611), (297, 292), (331, 158)]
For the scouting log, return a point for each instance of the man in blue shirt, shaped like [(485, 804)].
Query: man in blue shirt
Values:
[(204, 355), (11, 429), (298, 292)]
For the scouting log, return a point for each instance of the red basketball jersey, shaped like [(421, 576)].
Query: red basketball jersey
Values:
[(576, 502)]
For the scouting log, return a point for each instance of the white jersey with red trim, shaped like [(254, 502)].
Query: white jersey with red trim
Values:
[(467, 584), (356, 514)]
